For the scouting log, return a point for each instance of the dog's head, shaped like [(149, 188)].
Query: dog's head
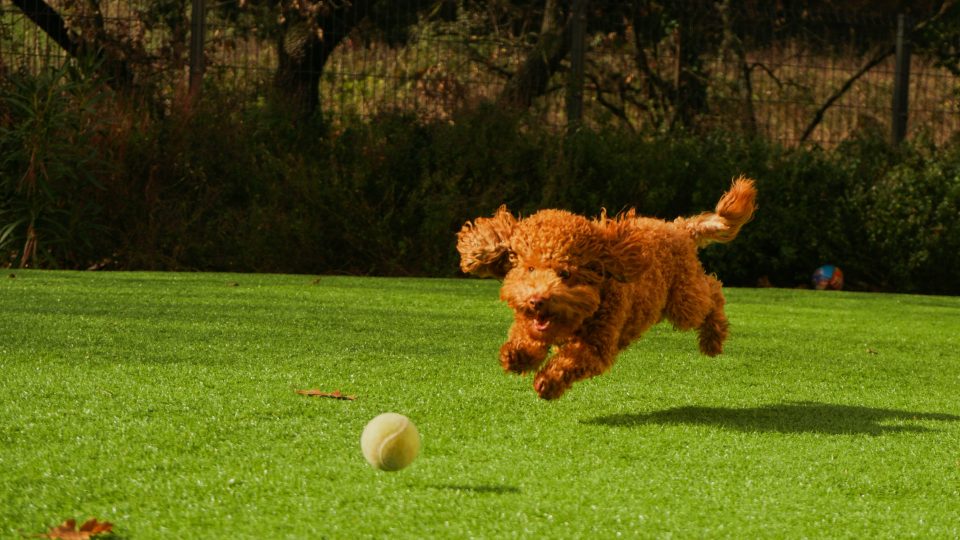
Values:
[(554, 264)]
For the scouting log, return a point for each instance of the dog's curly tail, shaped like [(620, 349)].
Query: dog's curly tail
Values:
[(734, 210)]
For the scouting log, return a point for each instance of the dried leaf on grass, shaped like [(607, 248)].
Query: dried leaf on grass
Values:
[(336, 394), (68, 530)]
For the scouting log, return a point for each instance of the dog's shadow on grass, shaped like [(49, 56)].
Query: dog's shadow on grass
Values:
[(481, 489), (792, 417)]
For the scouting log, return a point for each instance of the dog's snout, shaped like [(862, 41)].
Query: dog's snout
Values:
[(536, 302)]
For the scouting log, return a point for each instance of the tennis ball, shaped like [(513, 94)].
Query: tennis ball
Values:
[(390, 442)]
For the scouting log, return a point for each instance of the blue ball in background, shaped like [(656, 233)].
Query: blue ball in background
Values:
[(828, 277)]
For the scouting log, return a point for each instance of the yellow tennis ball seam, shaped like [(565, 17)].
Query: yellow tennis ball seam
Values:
[(388, 439)]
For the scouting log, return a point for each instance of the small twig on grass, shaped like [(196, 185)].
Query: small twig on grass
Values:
[(336, 394), (68, 530)]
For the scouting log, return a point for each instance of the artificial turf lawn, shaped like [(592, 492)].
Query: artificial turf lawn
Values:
[(166, 404)]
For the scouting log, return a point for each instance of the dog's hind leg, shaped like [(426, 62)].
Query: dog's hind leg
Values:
[(697, 302), (714, 329)]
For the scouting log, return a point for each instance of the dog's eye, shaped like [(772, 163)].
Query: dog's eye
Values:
[(563, 273), (529, 269)]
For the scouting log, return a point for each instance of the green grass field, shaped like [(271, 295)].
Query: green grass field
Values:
[(166, 404)]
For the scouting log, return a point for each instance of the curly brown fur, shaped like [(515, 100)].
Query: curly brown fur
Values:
[(591, 287)]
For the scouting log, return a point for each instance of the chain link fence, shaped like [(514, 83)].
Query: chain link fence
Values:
[(792, 77)]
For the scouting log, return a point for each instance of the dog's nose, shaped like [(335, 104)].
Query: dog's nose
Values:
[(536, 302)]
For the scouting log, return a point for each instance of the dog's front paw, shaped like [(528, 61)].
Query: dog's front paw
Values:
[(548, 386), (517, 360)]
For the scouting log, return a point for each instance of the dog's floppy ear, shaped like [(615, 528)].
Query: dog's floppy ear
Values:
[(484, 245), (624, 255)]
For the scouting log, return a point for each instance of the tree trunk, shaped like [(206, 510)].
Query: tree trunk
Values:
[(553, 45), (303, 52), (681, 99), (297, 78)]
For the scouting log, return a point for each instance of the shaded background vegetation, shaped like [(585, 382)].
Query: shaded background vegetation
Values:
[(109, 161)]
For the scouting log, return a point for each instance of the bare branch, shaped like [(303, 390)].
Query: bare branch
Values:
[(818, 116), (882, 55), (619, 112), (481, 59)]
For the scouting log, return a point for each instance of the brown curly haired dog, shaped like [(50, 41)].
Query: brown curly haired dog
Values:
[(591, 287)]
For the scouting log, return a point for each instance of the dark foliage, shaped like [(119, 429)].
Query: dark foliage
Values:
[(220, 187)]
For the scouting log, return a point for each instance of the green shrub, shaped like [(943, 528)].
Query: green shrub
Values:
[(887, 217), (51, 127), (206, 188), (800, 224), (396, 192), (910, 217)]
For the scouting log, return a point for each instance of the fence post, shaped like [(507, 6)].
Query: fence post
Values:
[(901, 81), (197, 30), (578, 30)]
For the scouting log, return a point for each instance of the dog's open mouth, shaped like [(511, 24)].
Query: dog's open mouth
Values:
[(541, 322)]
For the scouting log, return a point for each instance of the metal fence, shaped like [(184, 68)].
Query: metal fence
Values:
[(764, 76)]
